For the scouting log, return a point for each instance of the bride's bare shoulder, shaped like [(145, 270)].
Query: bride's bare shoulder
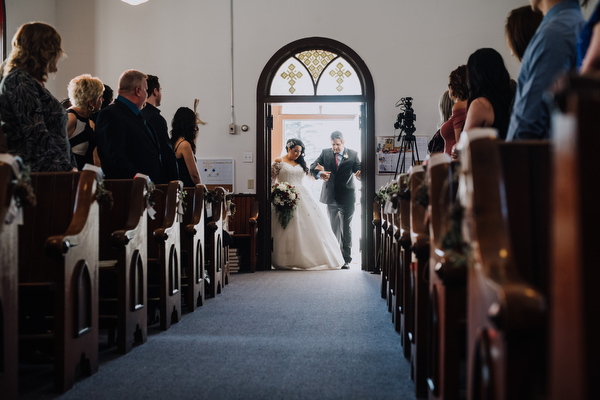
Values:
[(278, 160)]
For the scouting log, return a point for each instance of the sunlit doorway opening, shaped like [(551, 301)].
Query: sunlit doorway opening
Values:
[(322, 71), (313, 123)]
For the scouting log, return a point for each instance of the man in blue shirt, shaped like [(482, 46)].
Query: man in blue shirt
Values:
[(126, 144), (551, 52)]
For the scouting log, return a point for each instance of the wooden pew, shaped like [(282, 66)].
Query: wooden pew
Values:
[(227, 239), (447, 288), (124, 260), (164, 270), (214, 242), (244, 226), (393, 233), (404, 306), (574, 296), (384, 252), (390, 258), (419, 296), (58, 273), (9, 360), (193, 247), (506, 311), (377, 235)]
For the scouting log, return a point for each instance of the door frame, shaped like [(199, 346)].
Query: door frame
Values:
[(263, 140)]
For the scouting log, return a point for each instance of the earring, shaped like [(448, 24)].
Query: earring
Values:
[(92, 108)]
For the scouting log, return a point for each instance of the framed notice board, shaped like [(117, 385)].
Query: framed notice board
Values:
[(217, 172)]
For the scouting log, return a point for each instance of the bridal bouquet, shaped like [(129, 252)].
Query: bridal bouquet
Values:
[(285, 199)]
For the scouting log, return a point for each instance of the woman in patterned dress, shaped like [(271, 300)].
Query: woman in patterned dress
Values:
[(33, 121)]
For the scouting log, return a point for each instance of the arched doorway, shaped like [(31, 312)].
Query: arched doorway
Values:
[(313, 57)]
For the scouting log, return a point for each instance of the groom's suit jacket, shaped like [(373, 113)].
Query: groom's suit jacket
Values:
[(340, 186)]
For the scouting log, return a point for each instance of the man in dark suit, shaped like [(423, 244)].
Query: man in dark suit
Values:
[(126, 144), (157, 122), (337, 167)]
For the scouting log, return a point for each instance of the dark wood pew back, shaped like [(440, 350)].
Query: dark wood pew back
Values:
[(58, 271)]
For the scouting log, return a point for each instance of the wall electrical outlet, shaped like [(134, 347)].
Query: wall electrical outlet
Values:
[(250, 183), (247, 156), (232, 129)]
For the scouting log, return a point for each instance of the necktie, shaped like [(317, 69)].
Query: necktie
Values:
[(336, 161)]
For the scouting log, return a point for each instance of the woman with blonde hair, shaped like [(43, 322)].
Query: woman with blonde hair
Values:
[(86, 96), (436, 144), (34, 122)]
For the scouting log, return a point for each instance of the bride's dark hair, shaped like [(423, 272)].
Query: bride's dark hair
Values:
[(290, 144)]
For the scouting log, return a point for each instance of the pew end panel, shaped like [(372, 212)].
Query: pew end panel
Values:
[(193, 247), (405, 308), (124, 260), (9, 357), (574, 320), (447, 287), (214, 242), (506, 313), (58, 268), (419, 297), (164, 269)]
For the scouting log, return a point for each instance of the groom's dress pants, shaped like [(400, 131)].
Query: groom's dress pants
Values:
[(340, 216)]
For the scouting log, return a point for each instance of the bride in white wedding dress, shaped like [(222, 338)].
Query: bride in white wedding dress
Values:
[(307, 243)]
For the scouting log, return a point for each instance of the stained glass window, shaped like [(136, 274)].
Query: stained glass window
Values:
[(315, 72)]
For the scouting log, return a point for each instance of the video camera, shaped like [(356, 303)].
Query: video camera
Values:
[(406, 118)]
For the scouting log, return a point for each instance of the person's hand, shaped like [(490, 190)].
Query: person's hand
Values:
[(319, 167), (325, 175), (357, 175), (454, 153)]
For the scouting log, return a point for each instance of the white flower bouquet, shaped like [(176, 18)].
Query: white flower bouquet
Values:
[(285, 200)]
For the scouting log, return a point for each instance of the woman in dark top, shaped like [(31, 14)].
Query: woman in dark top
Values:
[(490, 92), (85, 94), (34, 122), (183, 134)]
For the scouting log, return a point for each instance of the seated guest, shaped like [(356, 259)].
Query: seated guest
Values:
[(490, 92), (436, 144), (157, 122), (521, 25), (588, 45), (126, 144), (459, 93), (34, 122), (183, 135), (551, 52), (85, 94)]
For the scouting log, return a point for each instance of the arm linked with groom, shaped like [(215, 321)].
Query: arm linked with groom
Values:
[(337, 167)]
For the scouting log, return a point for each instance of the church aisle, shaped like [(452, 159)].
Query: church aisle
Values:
[(269, 335)]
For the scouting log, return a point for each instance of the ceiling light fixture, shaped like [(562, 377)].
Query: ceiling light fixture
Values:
[(134, 2)]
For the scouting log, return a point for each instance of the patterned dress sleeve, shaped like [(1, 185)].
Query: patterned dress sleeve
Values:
[(275, 168)]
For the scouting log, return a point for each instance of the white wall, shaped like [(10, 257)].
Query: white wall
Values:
[(409, 46)]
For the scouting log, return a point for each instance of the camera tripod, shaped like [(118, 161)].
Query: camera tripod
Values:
[(408, 142)]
